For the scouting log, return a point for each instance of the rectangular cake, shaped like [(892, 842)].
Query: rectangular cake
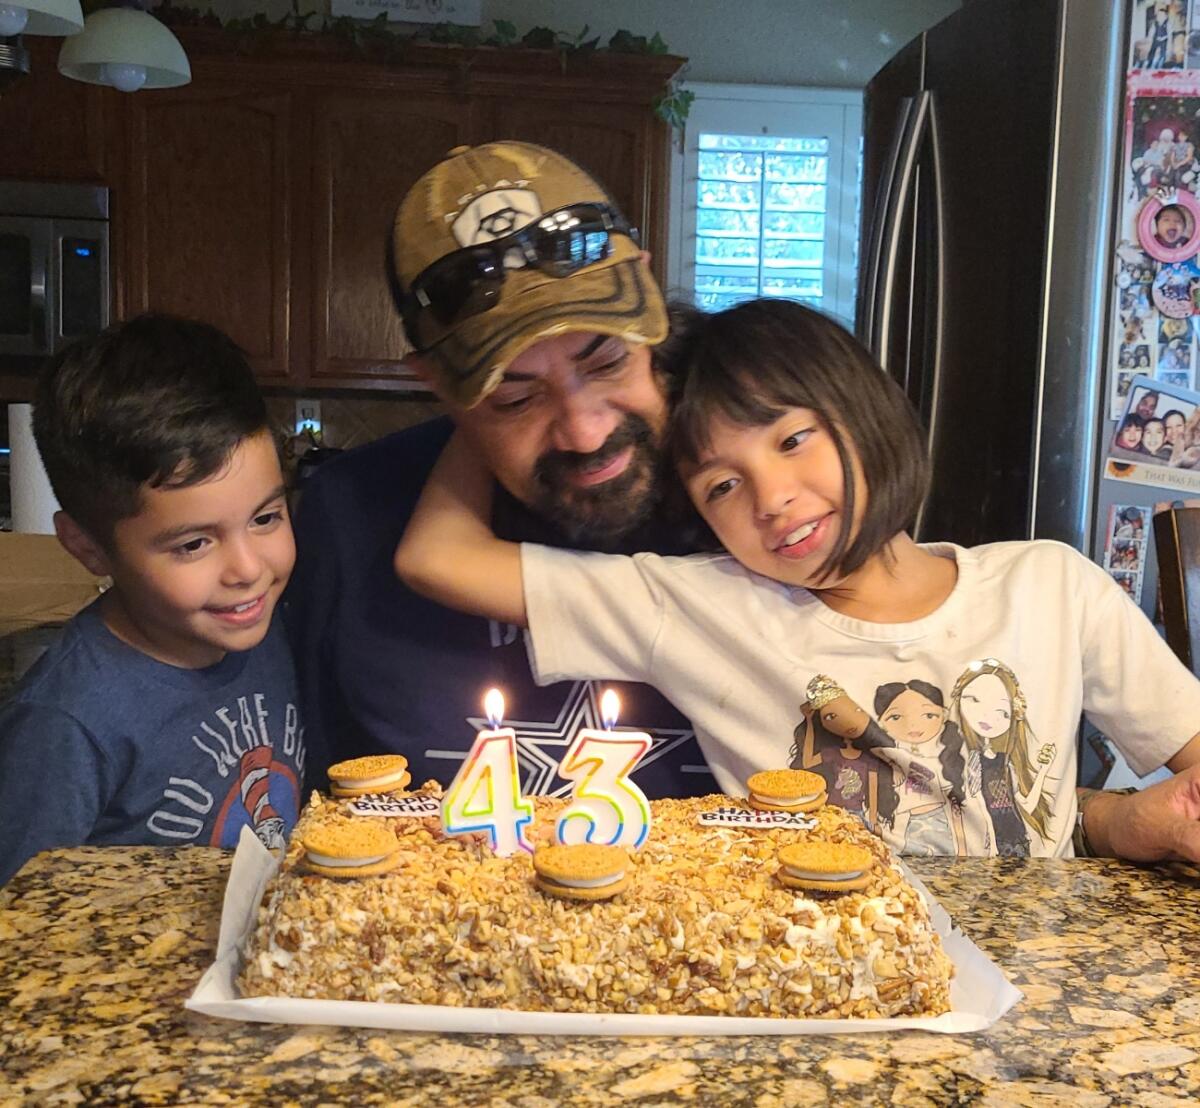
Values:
[(705, 926)]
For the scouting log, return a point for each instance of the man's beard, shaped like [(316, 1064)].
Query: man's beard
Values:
[(600, 516)]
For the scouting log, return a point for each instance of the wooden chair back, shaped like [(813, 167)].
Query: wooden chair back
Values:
[(1177, 540)]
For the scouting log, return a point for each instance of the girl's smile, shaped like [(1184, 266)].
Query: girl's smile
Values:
[(773, 494)]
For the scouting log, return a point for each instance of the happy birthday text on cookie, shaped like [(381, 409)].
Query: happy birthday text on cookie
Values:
[(396, 806), (742, 817)]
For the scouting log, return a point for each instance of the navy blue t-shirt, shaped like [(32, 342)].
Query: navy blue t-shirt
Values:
[(385, 670), (102, 745)]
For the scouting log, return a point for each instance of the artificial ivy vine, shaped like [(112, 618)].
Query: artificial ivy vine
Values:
[(377, 37)]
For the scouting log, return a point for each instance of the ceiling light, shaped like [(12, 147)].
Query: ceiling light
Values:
[(127, 49), (40, 17)]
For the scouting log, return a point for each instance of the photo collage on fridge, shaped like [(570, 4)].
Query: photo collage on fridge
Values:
[(1156, 345)]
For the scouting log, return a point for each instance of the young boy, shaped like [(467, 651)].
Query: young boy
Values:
[(166, 712)]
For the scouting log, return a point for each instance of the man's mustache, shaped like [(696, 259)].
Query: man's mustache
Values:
[(556, 465)]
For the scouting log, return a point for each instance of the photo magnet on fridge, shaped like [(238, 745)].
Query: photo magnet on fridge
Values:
[(1167, 223), (1157, 438)]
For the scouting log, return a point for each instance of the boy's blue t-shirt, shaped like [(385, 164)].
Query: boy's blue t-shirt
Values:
[(102, 745)]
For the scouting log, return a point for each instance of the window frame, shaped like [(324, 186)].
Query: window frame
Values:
[(769, 109)]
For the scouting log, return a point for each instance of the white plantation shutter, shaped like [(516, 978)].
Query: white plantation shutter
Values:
[(765, 197)]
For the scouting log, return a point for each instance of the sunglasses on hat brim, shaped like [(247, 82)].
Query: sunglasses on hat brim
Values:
[(470, 281)]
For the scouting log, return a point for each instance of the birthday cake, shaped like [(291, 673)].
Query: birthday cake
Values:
[(716, 914)]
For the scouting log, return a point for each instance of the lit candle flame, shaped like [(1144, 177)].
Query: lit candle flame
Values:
[(610, 708), (493, 707)]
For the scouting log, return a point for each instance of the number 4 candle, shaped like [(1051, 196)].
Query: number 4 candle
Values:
[(606, 807), (485, 794)]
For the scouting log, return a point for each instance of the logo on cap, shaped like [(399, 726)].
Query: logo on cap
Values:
[(495, 214)]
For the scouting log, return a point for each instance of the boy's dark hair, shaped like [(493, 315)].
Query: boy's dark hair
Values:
[(153, 401), (753, 362)]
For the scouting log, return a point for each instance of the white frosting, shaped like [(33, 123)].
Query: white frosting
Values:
[(809, 875), (784, 801), (326, 860), (367, 782), (589, 882)]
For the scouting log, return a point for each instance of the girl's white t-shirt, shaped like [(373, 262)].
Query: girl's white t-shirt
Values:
[(1032, 636)]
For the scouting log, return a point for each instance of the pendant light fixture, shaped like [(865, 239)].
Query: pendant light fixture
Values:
[(126, 48), (32, 17)]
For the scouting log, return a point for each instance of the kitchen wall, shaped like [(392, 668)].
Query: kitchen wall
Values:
[(773, 42)]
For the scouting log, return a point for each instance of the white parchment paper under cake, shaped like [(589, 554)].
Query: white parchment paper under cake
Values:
[(979, 994)]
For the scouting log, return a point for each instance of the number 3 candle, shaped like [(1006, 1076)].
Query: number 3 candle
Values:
[(607, 807), (485, 794)]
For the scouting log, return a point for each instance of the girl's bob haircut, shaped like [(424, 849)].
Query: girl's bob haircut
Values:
[(753, 362)]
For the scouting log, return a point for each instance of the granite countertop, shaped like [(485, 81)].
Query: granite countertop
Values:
[(99, 947)]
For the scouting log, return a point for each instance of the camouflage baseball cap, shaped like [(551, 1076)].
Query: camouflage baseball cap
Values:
[(482, 194)]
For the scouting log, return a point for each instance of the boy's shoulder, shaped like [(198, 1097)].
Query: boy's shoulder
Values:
[(90, 675), (73, 666)]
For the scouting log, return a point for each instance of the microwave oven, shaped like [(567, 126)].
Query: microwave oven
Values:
[(53, 265)]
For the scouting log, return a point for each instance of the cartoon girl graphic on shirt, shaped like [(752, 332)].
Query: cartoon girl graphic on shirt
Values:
[(989, 708), (837, 739), (929, 766)]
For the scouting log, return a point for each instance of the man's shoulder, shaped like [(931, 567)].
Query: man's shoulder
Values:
[(402, 458)]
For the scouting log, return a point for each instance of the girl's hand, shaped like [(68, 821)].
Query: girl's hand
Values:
[(1046, 754)]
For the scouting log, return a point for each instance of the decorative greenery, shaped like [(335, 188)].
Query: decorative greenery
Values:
[(377, 37)]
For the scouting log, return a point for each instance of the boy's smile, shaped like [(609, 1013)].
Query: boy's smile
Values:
[(199, 569)]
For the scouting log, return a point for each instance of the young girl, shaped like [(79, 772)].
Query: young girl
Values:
[(807, 464)]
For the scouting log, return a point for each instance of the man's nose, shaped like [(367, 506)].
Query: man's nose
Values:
[(583, 421)]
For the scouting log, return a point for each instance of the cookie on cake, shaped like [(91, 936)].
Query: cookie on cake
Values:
[(373, 774), (786, 790), (826, 867), (357, 848), (583, 871)]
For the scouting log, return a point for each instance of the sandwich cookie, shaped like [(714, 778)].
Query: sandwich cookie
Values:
[(786, 790), (825, 867), (584, 871), (376, 773), (357, 848)]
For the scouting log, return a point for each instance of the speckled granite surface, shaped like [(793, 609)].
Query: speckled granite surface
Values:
[(99, 948)]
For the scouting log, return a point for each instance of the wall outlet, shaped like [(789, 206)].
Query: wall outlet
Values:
[(308, 418)]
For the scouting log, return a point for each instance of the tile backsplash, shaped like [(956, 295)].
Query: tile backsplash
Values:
[(348, 421)]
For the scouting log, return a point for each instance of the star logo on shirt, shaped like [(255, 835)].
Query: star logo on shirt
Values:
[(541, 745)]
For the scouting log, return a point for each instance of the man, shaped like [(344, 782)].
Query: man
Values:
[(533, 313)]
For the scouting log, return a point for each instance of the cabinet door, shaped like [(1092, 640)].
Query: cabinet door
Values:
[(204, 220), (622, 145), (369, 148), (52, 128)]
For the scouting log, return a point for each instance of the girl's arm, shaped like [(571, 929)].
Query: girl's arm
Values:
[(449, 552)]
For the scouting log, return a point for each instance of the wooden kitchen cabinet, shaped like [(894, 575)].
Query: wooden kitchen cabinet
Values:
[(203, 217), (261, 196), (52, 128), (368, 149)]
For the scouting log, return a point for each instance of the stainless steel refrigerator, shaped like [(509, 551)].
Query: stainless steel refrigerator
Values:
[(989, 165), (990, 190)]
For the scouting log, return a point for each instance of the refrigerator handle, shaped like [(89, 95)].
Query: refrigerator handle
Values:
[(897, 201), (879, 223), (939, 323), (39, 279)]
